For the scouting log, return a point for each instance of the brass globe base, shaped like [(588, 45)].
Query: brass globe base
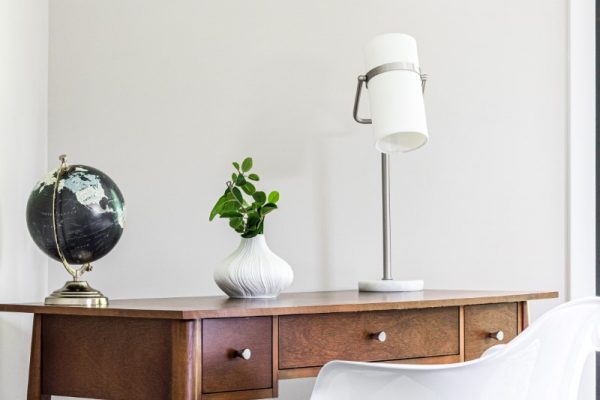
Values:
[(77, 293)]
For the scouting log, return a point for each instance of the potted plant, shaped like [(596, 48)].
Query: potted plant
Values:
[(252, 270)]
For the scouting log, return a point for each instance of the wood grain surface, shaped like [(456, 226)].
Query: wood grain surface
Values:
[(156, 349), (313, 340), (524, 316), (461, 332), (107, 358), (481, 320), (241, 395), (34, 387), (275, 358), (314, 371), (285, 304), (222, 369), (183, 353)]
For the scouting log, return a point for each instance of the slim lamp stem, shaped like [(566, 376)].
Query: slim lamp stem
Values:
[(387, 229)]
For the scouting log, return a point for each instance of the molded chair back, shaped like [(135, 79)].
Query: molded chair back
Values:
[(545, 362)]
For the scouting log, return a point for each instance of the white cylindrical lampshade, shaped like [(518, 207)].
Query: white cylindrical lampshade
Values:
[(396, 97)]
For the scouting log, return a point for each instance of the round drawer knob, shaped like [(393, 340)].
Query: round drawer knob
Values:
[(499, 335), (379, 336), (246, 354)]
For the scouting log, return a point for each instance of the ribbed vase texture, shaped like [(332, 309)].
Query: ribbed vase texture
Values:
[(253, 271)]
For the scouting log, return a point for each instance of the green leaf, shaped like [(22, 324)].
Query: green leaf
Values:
[(233, 177), (267, 208), (253, 177), (252, 221), (230, 205), (240, 181), (247, 164), (273, 197), (217, 207), (260, 197), (261, 226), (249, 188), (238, 194), (236, 166), (236, 222), (230, 214)]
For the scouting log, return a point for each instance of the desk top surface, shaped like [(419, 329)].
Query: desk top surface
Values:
[(285, 304)]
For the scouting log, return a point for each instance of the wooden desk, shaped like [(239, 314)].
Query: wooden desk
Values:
[(192, 348)]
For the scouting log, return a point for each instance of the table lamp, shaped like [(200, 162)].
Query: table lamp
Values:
[(395, 85)]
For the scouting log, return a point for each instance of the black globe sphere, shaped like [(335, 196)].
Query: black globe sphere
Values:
[(90, 214)]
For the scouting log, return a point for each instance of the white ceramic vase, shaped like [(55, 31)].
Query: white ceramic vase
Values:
[(253, 271)]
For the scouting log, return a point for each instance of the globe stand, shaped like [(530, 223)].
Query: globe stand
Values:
[(77, 293)]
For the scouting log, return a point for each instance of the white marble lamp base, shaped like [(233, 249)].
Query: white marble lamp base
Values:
[(391, 285)]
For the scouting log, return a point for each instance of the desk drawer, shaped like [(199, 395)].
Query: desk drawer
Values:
[(223, 369), (483, 320), (313, 340)]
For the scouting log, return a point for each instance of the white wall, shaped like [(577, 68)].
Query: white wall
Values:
[(164, 95), (582, 148), (581, 231), (23, 148)]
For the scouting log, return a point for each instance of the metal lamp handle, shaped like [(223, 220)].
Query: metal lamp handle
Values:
[(364, 80)]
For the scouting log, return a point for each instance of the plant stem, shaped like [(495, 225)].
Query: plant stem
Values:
[(244, 213)]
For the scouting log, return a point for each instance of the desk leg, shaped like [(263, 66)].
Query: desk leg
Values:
[(184, 385), (524, 314), (34, 388)]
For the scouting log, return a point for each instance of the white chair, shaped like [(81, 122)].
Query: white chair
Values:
[(545, 362)]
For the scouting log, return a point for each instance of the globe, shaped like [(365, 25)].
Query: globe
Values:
[(90, 214)]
